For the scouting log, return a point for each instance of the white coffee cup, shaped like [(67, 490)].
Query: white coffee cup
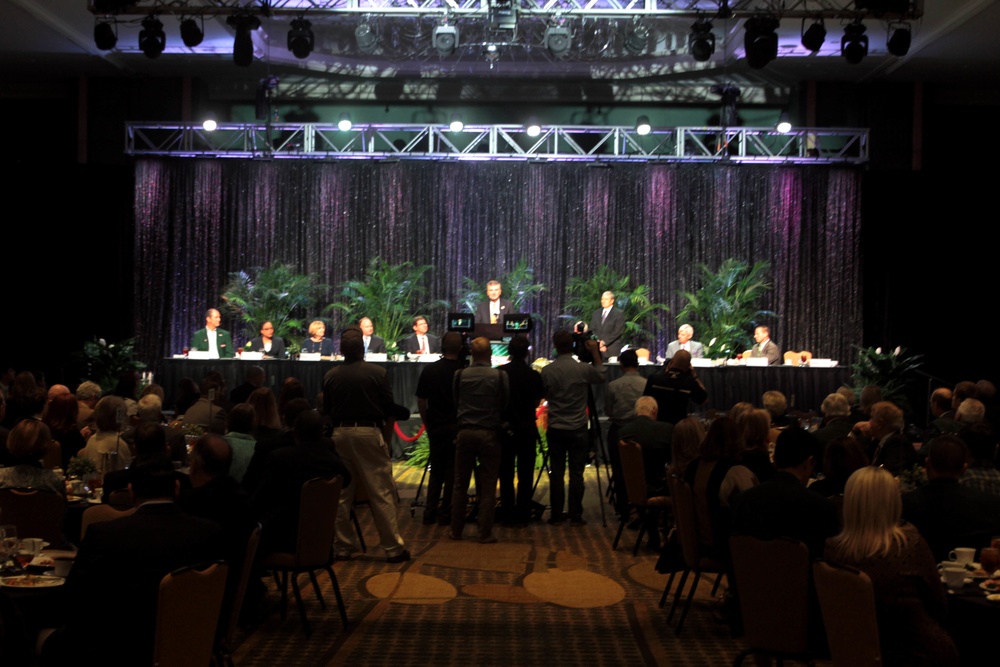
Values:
[(963, 555), (31, 545), (952, 565), (954, 578), (62, 566)]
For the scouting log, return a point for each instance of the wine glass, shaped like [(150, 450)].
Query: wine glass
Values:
[(8, 542)]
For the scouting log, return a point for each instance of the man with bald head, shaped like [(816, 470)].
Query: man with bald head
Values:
[(481, 396), (217, 342), (684, 335)]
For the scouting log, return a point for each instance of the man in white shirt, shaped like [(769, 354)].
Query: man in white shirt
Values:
[(372, 342), (684, 335), (421, 342), (607, 324), (493, 310), (217, 342)]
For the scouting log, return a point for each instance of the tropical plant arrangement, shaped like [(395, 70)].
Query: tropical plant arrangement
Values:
[(642, 315), (519, 287), (277, 295), (893, 372), (389, 294), (726, 308), (104, 362)]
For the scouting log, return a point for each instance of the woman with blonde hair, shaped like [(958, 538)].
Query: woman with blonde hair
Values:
[(317, 341), (909, 597)]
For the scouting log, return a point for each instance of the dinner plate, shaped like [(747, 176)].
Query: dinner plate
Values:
[(994, 597), (991, 586), (31, 581), (966, 580), (74, 499)]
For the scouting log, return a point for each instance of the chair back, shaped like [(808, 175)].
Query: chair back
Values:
[(35, 512), (795, 358), (634, 471), (772, 577), (684, 519), (228, 632), (317, 521), (642, 353), (187, 612), (99, 513), (847, 600)]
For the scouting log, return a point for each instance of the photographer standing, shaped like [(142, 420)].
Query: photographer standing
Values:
[(567, 388)]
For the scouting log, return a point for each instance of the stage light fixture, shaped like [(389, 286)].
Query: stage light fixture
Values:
[(243, 43), (106, 35), (725, 12), (300, 38), (366, 37), (784, 125), (854, 43), (813, 36), (557, 39), (344, 124), (456, 123), (642, 126), (899, 39), (701, 41), (445, 39), (152, 39), (533, 129), (492, 54), (209, 125), (760, 41), (637, 39), (191, 33)]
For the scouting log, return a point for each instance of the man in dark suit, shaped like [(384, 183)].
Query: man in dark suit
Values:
[(118, 571), (493, 310), (765, 347), (373, 343), (655, 438), (421, 342), (608, 324), (212, 339)]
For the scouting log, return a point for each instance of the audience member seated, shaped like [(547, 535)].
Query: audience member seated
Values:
[(185, 396), (755, 452), (87, 395), (705, 475), (61, 418), (239, 428), (836, 424), (943, 415), (209, 411), (108, 417), (777, 407), (947, 513), (675, 388), (886, 445), (253, 380), (655, 438), (841, 458), (909, 597), (982, 473), (26, 445), (150, 445), (263, 448), (684, 444), (26, 399), (118, 569), (267, 419), (783, 506)]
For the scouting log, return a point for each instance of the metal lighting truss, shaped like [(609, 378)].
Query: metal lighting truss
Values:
[(581, 143), (681, 9)]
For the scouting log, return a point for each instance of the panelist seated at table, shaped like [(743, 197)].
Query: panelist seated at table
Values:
[(317, 342), (374, 344), (420, 342), (217, 342), (684, 335), (271, 346), (764, 347)]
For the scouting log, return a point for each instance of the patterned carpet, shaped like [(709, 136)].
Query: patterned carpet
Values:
[(544, 595)]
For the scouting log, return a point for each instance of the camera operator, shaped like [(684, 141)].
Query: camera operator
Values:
[(567, 387)]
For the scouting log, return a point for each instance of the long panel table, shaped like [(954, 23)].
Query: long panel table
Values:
[(805, 388)]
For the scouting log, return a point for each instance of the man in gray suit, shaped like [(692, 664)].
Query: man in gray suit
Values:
[(765, 347), (684, 335)]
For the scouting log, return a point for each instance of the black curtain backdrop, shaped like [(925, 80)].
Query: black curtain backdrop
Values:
[(198, 220)]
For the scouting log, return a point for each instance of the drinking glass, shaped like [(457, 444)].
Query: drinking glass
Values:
[(989, 559), (8, 542)]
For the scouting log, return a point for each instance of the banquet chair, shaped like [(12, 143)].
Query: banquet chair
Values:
[(99, 513), (791, 357), (187, 612), (642, 353), (226, 636), (772, 579), (694, 560), (847, 600), (35, 512), (634, 472), (313, 546)]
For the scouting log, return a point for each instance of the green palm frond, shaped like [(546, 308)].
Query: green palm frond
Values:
[(276, 294), (642, 314)]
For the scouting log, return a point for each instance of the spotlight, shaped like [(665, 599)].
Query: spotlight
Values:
[(854, 43), (151, 37), (533, 129), (366, 38), (456, 123), (209, 125), (813, 36), (899, 41), (300, 38), (724, 10), (760, 42), (784, 125), (642, 126), (242, 43), (492, 54), (445, 39), (701, 41), (557, 40), (637, 39), (344, 124), (191, 33), (105, 36)]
